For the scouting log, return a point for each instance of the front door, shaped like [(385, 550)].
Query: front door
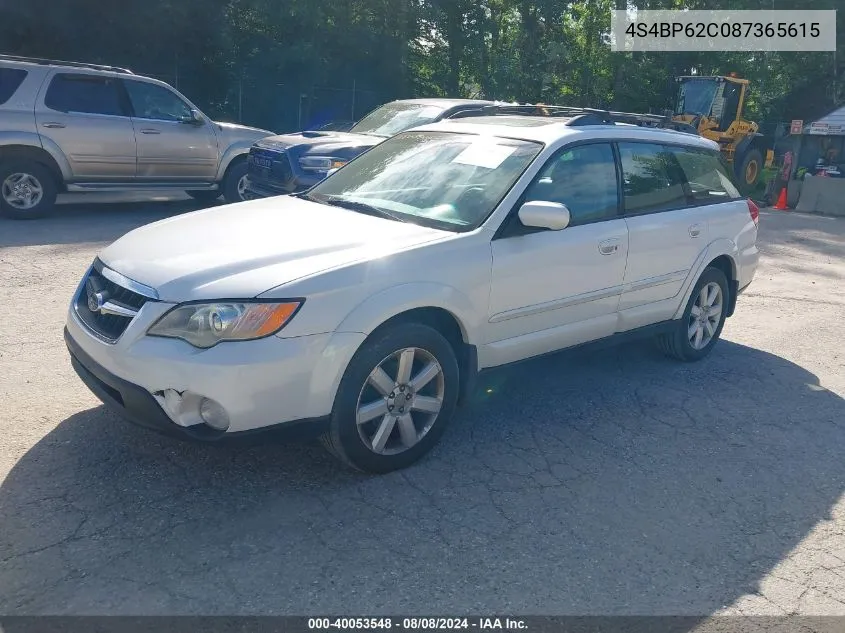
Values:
[(170, 147), (86, 116), (555, 289)]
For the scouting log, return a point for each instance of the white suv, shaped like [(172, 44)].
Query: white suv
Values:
[(363, 309)]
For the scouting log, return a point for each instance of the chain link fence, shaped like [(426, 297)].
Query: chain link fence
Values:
[(277, 106)]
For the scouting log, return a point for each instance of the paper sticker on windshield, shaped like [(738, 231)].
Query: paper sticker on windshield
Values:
[(486, 155)]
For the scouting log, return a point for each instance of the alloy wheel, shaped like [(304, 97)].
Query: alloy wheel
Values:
[(400, 401), (22, 191), (705, 316), (242, 187)]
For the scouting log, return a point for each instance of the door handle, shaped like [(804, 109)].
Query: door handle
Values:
[(53, 124), (608, 247), (149, 131), (695, 230)]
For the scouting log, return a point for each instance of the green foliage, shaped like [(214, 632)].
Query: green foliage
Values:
[(264, 60)]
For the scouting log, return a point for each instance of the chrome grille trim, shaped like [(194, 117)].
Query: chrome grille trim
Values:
[(116, 300), (126, 282)]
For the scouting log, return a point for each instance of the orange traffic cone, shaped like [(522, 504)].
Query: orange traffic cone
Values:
[(781, 205)]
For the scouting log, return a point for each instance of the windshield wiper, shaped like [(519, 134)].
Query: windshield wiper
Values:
[(361, 207), (306, 196)]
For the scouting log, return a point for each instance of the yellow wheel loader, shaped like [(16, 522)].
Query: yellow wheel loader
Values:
[(713, 105)]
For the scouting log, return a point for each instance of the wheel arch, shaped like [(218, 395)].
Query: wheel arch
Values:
[(727, 265), (721, 254), (38, 155), (234, 153), (443, 308)]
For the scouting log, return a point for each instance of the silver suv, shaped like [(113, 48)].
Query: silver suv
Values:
[(67, 126)]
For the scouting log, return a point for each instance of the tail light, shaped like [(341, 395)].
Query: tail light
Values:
[(754, 211)]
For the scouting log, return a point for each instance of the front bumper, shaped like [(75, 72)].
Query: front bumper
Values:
[(266, 188), (262, 383), (138, 406)]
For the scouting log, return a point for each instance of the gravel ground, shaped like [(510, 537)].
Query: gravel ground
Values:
[(591, 482)]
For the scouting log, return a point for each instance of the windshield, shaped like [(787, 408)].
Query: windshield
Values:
[(392, 118), (443, 180), (696, 96)]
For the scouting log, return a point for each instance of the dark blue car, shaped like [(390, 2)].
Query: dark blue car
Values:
[(293, 162)]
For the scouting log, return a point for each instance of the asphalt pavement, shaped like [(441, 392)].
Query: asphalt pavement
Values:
[(593, 482)]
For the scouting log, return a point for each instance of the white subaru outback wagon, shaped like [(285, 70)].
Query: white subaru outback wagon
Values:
[(362, 309)]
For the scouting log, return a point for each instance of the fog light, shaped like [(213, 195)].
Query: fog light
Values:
[(214, 415)]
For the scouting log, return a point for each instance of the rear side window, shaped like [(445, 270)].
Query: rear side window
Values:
[(653, 180), (88, 94), (706, 174), (10, 80)]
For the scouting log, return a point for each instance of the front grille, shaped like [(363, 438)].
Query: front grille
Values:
[(106, 326), (270, 167)]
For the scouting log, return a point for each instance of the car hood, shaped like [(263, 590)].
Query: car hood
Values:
[(242, 250), (236, 132), (320, 142)]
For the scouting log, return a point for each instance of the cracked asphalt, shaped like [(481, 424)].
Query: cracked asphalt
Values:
[(609, 481)]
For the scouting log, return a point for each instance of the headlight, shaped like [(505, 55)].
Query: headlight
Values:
[(205, 325), (321, 163)]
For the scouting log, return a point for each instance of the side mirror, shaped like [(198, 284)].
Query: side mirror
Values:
[(194, 118), (544, 215)]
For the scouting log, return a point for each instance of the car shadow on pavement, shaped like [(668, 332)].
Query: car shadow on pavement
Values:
[(604, 482), (91, 221)]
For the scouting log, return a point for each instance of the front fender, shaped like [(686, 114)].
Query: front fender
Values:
[(234, 151), (716, 248), (32, 141), (384, 305)]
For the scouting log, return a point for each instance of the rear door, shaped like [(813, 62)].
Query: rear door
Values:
[(170, 147), (87, 116), (669, 225)]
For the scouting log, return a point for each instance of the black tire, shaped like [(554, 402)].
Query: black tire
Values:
[(749, 169), (41, 175), (343, 438), (234, 174), (676, 343), (204, 195)]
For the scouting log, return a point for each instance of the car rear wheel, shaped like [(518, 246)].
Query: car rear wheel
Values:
[(27, 189), (696, 333), (395, 399), (234, 184)]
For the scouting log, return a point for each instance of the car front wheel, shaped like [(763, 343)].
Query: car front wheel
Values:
[(695, 334), (234, 185), (395, 399)]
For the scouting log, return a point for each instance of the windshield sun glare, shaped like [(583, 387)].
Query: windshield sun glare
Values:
[(443, 180)]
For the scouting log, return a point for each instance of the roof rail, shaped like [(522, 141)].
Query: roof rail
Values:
[(525, 109), (592, 116), (577, 116), (57, 62)]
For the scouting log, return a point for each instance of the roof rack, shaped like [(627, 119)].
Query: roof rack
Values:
[(579, 116), (57, 62)]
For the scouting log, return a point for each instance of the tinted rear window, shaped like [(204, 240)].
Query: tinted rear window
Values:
[(10, 80), (708, 179), (84, 93), (653, 180)]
